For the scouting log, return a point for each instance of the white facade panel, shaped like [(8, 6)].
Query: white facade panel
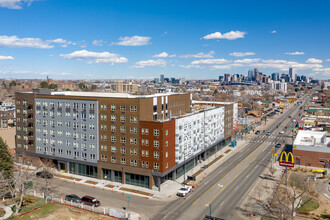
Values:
[(196, 132)]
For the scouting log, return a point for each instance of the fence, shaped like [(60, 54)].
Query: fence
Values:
[(115, 213)]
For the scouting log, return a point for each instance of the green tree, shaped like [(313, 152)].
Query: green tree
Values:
[(6, 160), (4, 84), (52, 86), (82, 86), (12, 83), (44, 84)]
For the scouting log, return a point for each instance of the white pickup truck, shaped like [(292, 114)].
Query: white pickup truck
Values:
[(184, 191)]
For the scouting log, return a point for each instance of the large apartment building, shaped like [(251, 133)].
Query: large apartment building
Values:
[(141, 140)]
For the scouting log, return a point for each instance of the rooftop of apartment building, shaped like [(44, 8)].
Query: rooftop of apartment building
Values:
[(101, 94)]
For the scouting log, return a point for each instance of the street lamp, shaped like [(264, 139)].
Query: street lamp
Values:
[(210, 209)]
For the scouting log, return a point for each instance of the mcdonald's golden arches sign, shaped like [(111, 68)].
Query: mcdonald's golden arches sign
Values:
[(286, 162)]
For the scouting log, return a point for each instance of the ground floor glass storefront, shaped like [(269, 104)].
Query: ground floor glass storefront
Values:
[(130, 178), (83, 170), (137, 180)]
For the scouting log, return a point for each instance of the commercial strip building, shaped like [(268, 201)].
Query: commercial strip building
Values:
[(7, 115), (141, 140), (312, 148)]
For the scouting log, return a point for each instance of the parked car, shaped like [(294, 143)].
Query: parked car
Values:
[(282, 132), (44, 174), (184, 191), (257, 132), (73, 198), (278, 145), (88, 200), (289, 116), (268, 133)]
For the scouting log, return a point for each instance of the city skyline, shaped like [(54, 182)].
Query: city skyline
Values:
[(114, 40)]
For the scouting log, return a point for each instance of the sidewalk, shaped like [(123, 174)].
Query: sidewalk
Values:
[(8, 211)]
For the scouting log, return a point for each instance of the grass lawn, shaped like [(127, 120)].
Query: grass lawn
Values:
[(310, 205), (2, 212), (57, 211)]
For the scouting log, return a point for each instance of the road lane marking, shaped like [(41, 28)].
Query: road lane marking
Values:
[(226, 174), (231, 181)]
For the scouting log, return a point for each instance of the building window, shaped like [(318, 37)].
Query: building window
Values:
[(103, 127), (142, 164), (122, 129), (156, 154), (142, 142), (156, 132), (133, 108), (147, 153), (123, 140), (156, 166), (122, 119), (91, 106), (122, 108), (92, 156), (123, 150), (113, 107), (147, 131), (113, 159), (113, 118), (133, 119), (166, 132), (123, 160), (147, 164), (166, 165), (166, 143), (92, 146), (92, 126), (113, 139), (166, 154), (147, 142), (156, 143), (133, 130), (113, 128), (113, 149), (142, 131)]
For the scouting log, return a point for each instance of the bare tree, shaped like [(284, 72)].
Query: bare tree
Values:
[(289, 198), (24, 178), (47, 183)]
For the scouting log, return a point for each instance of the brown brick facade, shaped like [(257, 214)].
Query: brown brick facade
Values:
[(162, 153), (311, 158), (25, 128)]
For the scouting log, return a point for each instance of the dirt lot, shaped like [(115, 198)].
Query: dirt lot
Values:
[(56, 211)]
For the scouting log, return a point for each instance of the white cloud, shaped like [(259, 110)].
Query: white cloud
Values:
[(64, 43), (220, 67), (273, 32), (6, 57), (95, 57), (328, 60), (173, 55), (15, 4), (242, 54), (147, 63), (313, 60), (98, 42), (247, 61), (133, 41), (192, 66), (199, 55), (163, 54), (14, 41), (295, 53), (232, 35), (210, 61), (15, 72)]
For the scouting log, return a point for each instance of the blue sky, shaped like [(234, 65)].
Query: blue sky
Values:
[(143, 39)]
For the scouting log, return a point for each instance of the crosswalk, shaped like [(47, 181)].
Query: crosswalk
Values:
[(269, 140)]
